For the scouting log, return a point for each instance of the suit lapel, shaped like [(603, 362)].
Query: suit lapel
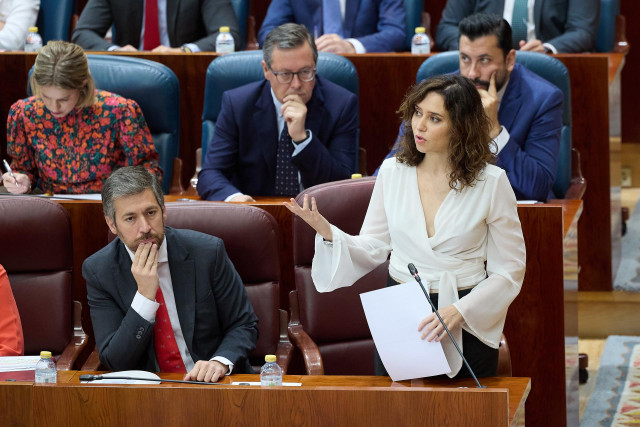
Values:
[(183, 279), (316, 111), (172, 16), (350, 15), (511, 102), (129, 286), (537, 16), (266, 125)]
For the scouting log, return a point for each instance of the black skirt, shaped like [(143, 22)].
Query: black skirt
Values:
[(482, 358)]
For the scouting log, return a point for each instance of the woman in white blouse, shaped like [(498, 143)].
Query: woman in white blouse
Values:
[(441, 205), (16, 16)]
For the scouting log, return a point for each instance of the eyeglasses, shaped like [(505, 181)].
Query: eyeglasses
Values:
[(305, 75)]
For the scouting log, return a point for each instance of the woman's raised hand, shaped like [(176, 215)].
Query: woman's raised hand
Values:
[(311, 216)]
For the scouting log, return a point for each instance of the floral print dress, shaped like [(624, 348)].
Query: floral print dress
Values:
[(77, 152)]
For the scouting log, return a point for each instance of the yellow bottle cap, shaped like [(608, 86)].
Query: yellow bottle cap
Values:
[(224, 29), (420, 30), (356, 175), (45, 354), (270, 358), (33, 29)]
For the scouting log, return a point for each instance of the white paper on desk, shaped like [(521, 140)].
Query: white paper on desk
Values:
[(134, 374), (393, 315), (18, 363), (96, 196)]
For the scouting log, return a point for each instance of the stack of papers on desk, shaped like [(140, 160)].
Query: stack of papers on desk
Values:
[(18, 363)]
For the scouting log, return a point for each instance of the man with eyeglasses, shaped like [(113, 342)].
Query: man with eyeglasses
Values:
[(288, 132)]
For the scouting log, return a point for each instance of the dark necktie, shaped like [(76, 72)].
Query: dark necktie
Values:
[(519, 22), (167, 352), (151, 31), (286, 173), (331, 17)]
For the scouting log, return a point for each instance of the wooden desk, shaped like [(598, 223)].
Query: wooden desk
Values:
[(322, 400)]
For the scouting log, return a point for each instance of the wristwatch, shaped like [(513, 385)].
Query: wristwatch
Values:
[(305, 138), (186, 48)]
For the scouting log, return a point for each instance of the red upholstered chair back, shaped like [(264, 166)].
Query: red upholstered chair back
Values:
[(251, 239), (36, 251), (335, 320)]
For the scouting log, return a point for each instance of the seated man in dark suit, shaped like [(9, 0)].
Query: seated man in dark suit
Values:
[(155, 25), (558, 26), (525, 109), (290, 131), (163, 299), (343, 26)]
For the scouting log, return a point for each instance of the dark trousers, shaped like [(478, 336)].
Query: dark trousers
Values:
[(482, 358)]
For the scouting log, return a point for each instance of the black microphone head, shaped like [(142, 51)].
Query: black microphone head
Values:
[(412, 269)]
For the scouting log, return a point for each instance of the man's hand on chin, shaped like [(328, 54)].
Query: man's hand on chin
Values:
[(208, 371)]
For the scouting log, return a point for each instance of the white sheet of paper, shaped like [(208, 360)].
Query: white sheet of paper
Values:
[(135, 374), (18, 363), (393, 315), (254, 383)]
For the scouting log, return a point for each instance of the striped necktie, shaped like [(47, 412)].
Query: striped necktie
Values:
[(519, 22)]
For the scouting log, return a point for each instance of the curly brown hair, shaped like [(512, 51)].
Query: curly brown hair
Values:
[(470, 143)]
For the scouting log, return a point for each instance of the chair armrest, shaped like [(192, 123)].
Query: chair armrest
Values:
[(284, 351), (176, 179), (310, 351), (77, 343), (576, 191), (93, 362), (504, 358), (621, 45)]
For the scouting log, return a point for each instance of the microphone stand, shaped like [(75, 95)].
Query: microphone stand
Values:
[(414, 272)]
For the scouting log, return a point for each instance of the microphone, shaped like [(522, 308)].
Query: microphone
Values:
[(414, 272), (102, 377)]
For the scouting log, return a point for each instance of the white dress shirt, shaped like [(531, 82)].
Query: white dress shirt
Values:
[(18, 16), (475, 225), (147, 309)]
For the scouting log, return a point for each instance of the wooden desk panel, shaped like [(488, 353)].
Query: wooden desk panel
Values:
[(326, 400)]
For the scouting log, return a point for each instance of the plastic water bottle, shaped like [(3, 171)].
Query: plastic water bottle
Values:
[(46, 369), (420, 42), (33, 41), (271, 373), (224, 41)]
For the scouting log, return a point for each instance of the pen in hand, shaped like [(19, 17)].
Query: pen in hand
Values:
[(8, 168)]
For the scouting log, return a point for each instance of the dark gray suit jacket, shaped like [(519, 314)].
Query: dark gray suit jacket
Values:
[(188, 21), (571, 26), (214, 311)]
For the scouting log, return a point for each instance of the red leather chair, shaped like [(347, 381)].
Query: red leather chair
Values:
[(330, 329), (251, 239), (36, 251)]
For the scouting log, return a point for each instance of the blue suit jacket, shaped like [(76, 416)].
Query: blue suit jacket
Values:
[(242, 154), (377, 24), (531, 111), (569, 25), (215, 314)]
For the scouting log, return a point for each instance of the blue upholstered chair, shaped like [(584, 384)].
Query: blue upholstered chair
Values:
[(414, 10), (242, 8), (54, 19), (155, 88), (548, 68), (240, 68)]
